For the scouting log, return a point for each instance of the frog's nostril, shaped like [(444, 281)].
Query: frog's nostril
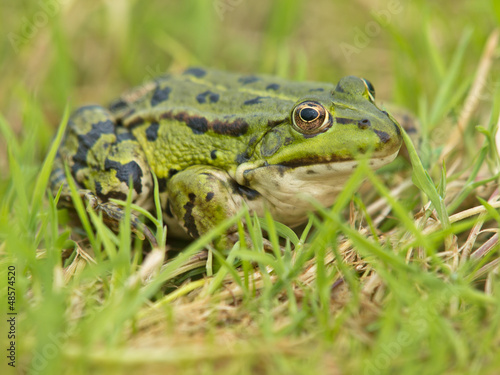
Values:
[(364, 124)]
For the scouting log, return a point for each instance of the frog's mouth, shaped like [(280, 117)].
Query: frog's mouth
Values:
[(335, 165), (326, 170), (285, 187)]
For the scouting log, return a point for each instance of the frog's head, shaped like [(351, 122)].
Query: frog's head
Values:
[(340, 126), (322, 139)]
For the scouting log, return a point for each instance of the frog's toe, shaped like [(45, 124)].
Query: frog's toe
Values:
[(142, 231), (112, 215), (92, 200)]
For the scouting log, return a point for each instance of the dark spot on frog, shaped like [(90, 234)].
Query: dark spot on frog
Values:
[(243, 157), (408, 130), (344, 121), (310, 171), (200, 125), (77, 165), (339, 89), (244, 191), (117, 105), (213, 154), (288, 141), (98, 188), (124, 137), (126, 171), (168, 209), (135, 122), (162, 184), (307, 161), (281, 170), (248, 79), (364, 124), (196, 72), (317, 89), (99, 128), (160, 95), (212, 97), (209, 196), (152, 131), (236, 128), (116, 195), (273, 86), (189, 221), (172, 172), (384, 137), (256, 100), (88, 140)]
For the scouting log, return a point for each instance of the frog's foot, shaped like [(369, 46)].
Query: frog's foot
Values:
[(202, 197), (112, 215)]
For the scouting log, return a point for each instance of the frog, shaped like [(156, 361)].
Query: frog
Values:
[(219, 141)]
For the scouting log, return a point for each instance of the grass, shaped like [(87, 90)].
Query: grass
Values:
[(399, 276)]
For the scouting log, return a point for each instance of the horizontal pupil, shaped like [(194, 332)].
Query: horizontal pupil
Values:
[(309, 114)]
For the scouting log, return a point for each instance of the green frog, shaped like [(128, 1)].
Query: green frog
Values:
[(218, 141)]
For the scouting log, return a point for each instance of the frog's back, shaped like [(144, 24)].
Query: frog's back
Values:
[(215, 94)]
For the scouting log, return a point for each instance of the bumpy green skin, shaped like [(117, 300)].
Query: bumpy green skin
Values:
[(217, 141)]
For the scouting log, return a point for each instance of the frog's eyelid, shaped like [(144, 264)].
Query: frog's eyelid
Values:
[(328, 117), (370, 90)]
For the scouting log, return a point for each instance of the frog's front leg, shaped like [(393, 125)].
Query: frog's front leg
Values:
[(201, 197)]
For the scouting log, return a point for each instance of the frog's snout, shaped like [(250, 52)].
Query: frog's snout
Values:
[(388, 133)]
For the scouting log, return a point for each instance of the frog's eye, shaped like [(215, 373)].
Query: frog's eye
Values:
[(310, 118), (370, 89)]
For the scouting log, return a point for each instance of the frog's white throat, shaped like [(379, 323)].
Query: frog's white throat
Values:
[(283, 189)]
